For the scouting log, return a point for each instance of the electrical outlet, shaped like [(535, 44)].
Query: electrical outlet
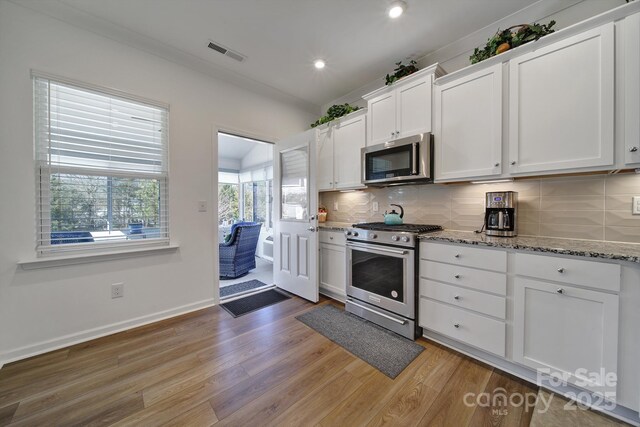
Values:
[(636, 205), (202, 206), (117, 290), (375, 206), (335, 206)]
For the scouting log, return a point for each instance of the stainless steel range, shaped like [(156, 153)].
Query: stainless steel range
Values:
[(382, 273)]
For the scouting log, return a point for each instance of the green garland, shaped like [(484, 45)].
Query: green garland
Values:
[(508, 39), (401, 71), (334, 112)]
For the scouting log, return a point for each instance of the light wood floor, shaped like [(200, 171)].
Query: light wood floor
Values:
[(264, 368)]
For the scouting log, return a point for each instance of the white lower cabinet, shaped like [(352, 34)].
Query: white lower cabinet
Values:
[(333, 268), (556, 315), (566, 331), (462, 302), (463, 325)]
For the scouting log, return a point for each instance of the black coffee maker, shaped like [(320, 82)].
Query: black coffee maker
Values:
[(501, 214)]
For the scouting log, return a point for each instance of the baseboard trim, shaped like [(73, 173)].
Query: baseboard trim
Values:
[(91, 334), (333, 293)]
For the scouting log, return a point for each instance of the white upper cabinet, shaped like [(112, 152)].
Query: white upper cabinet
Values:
[(339, 145), (325, 159), (402, 109), (348, 140), (468, 126), (561, 105), (631, 42), (382, 118)]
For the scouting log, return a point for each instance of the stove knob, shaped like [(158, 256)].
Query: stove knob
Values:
[(394, 238), (355, 234), (373, 235), (406, 239), (347, 233)]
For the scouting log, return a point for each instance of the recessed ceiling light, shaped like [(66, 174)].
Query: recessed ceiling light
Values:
[(396, 9), (319, 64)]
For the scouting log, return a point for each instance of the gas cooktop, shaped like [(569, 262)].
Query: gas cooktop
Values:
[(409, 228)]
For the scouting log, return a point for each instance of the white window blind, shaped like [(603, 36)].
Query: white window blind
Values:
[(102, 164)]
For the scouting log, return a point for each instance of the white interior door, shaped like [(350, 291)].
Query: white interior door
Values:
[(295, 254)]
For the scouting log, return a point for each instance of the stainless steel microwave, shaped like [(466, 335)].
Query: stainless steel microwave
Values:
[(402, 161)]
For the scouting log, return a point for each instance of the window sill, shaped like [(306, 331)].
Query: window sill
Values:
[(59, 261)]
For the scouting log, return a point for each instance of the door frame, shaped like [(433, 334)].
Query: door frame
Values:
[(215, 129)]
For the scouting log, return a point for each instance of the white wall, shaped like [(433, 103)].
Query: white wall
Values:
[(455, 55), (43, 309)]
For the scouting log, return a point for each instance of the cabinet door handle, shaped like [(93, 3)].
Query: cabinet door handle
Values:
[(393, 134), (561, 270), (457, 297), (560, 291), (513, 162), (456, 325), (633, 149), (497, 164), (457, 276), (457, 255)]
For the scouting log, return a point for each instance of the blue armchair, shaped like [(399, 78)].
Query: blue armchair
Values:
[(238, 255)]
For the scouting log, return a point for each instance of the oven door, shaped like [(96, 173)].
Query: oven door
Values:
[(383, 276)]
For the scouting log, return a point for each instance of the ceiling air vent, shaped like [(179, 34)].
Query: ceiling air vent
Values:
[(227, 52)]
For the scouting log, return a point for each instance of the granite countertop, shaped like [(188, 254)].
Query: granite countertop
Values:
[(334, 225), (586, 248)]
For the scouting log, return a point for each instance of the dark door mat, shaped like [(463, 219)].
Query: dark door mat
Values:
[(254, 302), (384, 350), (240, 287)]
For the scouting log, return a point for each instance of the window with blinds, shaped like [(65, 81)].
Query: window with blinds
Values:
[(102, 168)]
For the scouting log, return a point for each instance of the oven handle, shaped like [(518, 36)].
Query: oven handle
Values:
[(379, 249), (402, 322)]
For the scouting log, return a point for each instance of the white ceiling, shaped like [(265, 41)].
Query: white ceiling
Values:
[(281, 38), (234, 147)]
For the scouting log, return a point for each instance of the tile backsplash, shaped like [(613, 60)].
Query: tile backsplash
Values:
[(594, 207)]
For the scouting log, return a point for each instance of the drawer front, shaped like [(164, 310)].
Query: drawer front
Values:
[(332, 237), (480, 280), (591, 274), (467, 256), (464, 298), (473, 329)]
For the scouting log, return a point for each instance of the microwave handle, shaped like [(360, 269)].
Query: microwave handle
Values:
[(414, 155)]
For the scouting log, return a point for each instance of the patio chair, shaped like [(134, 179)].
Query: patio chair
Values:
[(238, 255)]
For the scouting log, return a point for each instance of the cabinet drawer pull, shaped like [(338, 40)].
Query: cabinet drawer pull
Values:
[(561, 270), (457, 297), (456, 325), (457, 255), (457, 276), (633, 149), (497, 164), (560, 291), (513, 162)]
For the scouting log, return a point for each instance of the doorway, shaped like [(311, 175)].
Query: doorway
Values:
[(245, 215)]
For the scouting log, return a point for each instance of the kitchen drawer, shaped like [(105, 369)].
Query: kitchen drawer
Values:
[(491, 305), (332, 237), (590, 274), (480, 280), (488, 259), (462, 325)]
